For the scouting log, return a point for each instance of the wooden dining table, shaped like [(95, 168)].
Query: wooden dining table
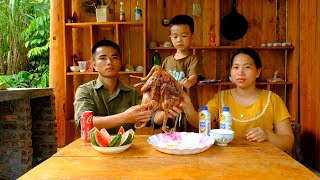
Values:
[(240, 159)]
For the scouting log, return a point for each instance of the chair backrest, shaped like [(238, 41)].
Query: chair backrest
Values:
[(296, 152)]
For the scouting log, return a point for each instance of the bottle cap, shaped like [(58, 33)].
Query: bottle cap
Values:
[(225, 108), (204, 108)]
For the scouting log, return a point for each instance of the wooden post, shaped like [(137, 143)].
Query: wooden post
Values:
[(309, 88), (56, 62)]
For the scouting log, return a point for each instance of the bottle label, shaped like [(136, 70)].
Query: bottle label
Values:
[(226, 121), (122, 16), (138, 14), (204, 122), (202, 126)]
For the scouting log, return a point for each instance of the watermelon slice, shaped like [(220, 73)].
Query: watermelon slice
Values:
[(115, 141), (100, 139), (90, 133), (93, 138), (121, 130), (105, 133), (127, 137)]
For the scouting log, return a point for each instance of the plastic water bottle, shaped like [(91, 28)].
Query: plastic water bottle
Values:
[(226, 119), (122, 13), (204, 121), (156, 59), (138, 12)]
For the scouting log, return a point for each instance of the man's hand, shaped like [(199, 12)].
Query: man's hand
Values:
[(137, 114)]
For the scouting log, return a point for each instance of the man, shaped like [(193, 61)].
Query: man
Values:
[(113, 104)]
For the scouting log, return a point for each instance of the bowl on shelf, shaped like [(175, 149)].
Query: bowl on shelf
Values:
[(153, 44), (128, 67), (167, 44), (75, 68), (222, 136), (139, 68)]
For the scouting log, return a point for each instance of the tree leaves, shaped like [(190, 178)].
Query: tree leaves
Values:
[(24, 42)]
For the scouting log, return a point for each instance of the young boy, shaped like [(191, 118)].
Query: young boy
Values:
[(182, 65)]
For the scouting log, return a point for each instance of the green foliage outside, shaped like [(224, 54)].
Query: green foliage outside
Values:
[(24, 43)]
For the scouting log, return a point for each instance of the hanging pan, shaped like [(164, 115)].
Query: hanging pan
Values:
[(234, 25), (165, 21)]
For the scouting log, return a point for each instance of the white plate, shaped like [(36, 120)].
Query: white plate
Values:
[(181, 142), (111, 150)]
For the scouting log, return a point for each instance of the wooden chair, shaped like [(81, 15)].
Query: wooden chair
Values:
[(296, 152)]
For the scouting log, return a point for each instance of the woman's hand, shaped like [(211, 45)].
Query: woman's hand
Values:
[(257, 134), (187, 107), (282, 136), (174, 112), (186, 101), (136, 114)]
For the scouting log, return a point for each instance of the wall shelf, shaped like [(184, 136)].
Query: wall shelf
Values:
[(230, 83), (87, 73), (228, 47), (88, 24)]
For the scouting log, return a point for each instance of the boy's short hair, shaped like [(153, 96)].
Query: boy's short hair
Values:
[(183, 20), (105, 43)]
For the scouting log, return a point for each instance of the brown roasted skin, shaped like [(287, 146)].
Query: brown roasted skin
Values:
[(161, 92)]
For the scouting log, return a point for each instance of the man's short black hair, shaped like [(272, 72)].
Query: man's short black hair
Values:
[(105, 43), (183, 20)]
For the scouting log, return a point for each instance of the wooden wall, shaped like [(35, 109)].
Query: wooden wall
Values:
[(267, 21), (309, 90)]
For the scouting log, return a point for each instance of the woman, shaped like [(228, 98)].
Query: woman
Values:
[(258, 115)]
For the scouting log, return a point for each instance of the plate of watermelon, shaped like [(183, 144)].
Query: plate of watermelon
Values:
[(103, 142)]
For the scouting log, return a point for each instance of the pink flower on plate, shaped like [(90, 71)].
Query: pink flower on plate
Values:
[(204, 140), (175, 136)]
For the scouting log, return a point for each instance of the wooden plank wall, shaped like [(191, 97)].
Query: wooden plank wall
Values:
[(267, 23), (309, 81)]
